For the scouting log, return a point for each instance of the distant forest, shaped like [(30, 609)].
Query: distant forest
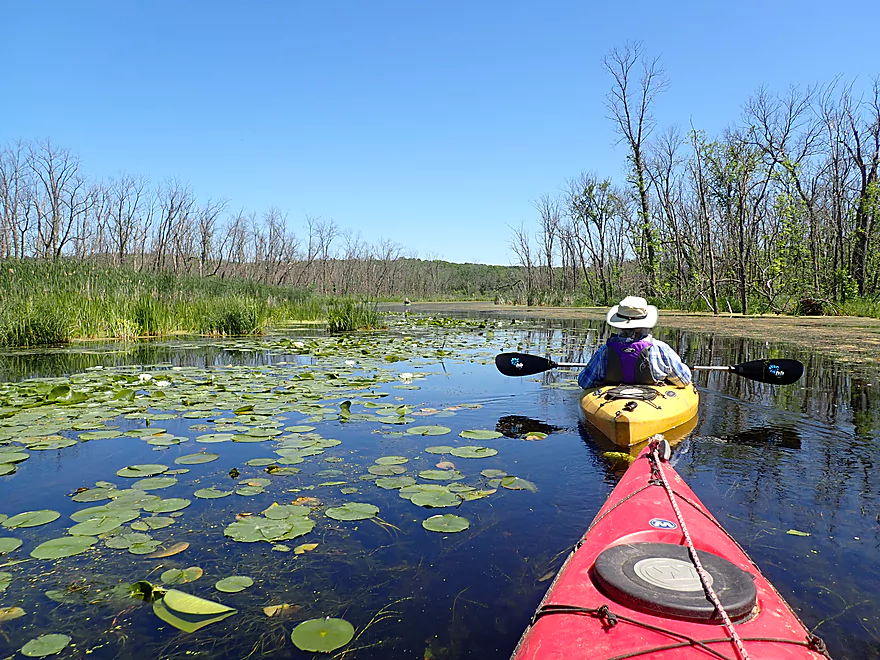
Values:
[(779, 212)]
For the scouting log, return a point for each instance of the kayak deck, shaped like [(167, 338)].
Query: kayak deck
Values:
[(627, 421), (630, 589)]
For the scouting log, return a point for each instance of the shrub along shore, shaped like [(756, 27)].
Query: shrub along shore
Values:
[(43, 302)]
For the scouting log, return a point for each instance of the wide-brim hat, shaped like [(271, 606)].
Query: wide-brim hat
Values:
[(632, 312)]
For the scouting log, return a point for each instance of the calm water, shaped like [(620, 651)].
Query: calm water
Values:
[(764, 460)]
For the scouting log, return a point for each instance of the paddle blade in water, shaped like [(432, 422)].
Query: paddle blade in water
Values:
[(778, 371), (522, 364)]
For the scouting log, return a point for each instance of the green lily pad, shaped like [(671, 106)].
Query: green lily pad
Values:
[(352, 511), (301, 428), (441, 475), (260, 462), (181, 575), (52, 442), (97, 525), (390, 483), (45, 645), (439, 449), (167, 506), (93, 495), (517, 483), (13, 457), (5, 580), (66, 546), (391, 460), (7, 545), (196, 459), (434, 499), (99, 435), (211, 493), (283, 511), (143, 470), (256, 528), (233, 584), (472, 451), (249, 491), (322, 635), (492, 473), (446, 523), (144, 547), (154, 483), (125, 541), (434, 429), (386, 470), (31, 519), (7, 468), (189, 613), (480, 434), (213, 438)]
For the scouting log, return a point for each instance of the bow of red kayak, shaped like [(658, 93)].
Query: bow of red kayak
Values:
[(633, 589)]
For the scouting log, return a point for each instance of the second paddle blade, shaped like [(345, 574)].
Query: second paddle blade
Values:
[(522, 364), (779, 371)]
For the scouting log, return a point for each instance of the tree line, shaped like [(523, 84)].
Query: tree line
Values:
[(50, 209), (778, 212)]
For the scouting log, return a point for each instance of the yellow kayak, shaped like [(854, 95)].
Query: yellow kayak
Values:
[(629, 414)]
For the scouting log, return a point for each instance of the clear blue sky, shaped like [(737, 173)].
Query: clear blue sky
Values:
[(433, 124)]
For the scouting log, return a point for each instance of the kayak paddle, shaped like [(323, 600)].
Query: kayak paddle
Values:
[(778, 371)]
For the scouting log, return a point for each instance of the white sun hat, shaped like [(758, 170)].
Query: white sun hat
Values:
[(632, 312)]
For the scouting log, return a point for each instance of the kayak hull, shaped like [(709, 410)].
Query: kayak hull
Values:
[(673, 407), (570, 622)]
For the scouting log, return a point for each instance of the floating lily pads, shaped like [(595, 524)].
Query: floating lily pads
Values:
[(435, 499), (10, 613), (439, 449), (211, 493), (282, 511), (386, 470), (66, 546), (45, 645), (480, 434), (96, 526), (212, 438), (472, 451), (13, 457), (154, 483), (233, 584), (441, 475), (322, 635), (434, 429), (196, 459), (8, 545), (181, 575), (143, 470), (300, 428), (390, 483), (518, 483), (187, 612), (391, 460), (352, 511), (257, 528), (167, 506), (446, 523), (31, 519), (51, 442), (5, 580), (492, 473)]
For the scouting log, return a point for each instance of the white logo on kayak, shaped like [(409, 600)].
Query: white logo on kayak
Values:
[(662, 523)]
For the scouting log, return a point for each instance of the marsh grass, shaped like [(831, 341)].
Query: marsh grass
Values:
[(44, 303), (348, 314)]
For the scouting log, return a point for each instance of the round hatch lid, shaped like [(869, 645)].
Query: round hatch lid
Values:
[(659, 578)]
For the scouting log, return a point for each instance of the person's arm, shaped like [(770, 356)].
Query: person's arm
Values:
[(594, 373), (666, 361)]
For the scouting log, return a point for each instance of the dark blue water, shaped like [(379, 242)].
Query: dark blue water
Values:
[(765, 460)]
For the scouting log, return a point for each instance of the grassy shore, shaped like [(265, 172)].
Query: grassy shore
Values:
[(56, 302)]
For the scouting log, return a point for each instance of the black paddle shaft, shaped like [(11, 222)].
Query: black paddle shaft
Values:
[(780, 371)]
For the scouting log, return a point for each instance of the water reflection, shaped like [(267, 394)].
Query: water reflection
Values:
[(519, 426)]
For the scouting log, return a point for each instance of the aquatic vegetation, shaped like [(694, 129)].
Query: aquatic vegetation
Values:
[(322, 635)]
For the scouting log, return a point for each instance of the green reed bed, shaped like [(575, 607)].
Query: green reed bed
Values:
[(348, 314), (55, 302)]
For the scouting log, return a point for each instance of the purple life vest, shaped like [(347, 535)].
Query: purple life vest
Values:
[(629, 362)]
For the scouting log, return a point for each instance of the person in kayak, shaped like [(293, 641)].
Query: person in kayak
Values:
[(633, 356)]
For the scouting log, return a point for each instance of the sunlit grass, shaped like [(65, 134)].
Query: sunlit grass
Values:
[(348, 314)]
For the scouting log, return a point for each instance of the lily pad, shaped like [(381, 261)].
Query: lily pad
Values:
[(45, 645), (439, 449), (257, 528), (282, 511), (167, 506), (31, 519), (154, 483), (391, 460), (5, 580), (352, 511), (518, 483), (97, 525), (233, 584), (143, 470), (189, 613), (480, 434), (492, 473), (446, 523), (472, 451), (196, 459), (211, 493), (13, 456), (390, 483), (435, 499), (170, 551), (322, 635), (65, 546), (386, 470), (441, 475), (10, 613), (181, 575), (433, 429), (7, 545)]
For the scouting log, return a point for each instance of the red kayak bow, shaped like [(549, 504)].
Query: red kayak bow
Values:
[(657, 577)]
